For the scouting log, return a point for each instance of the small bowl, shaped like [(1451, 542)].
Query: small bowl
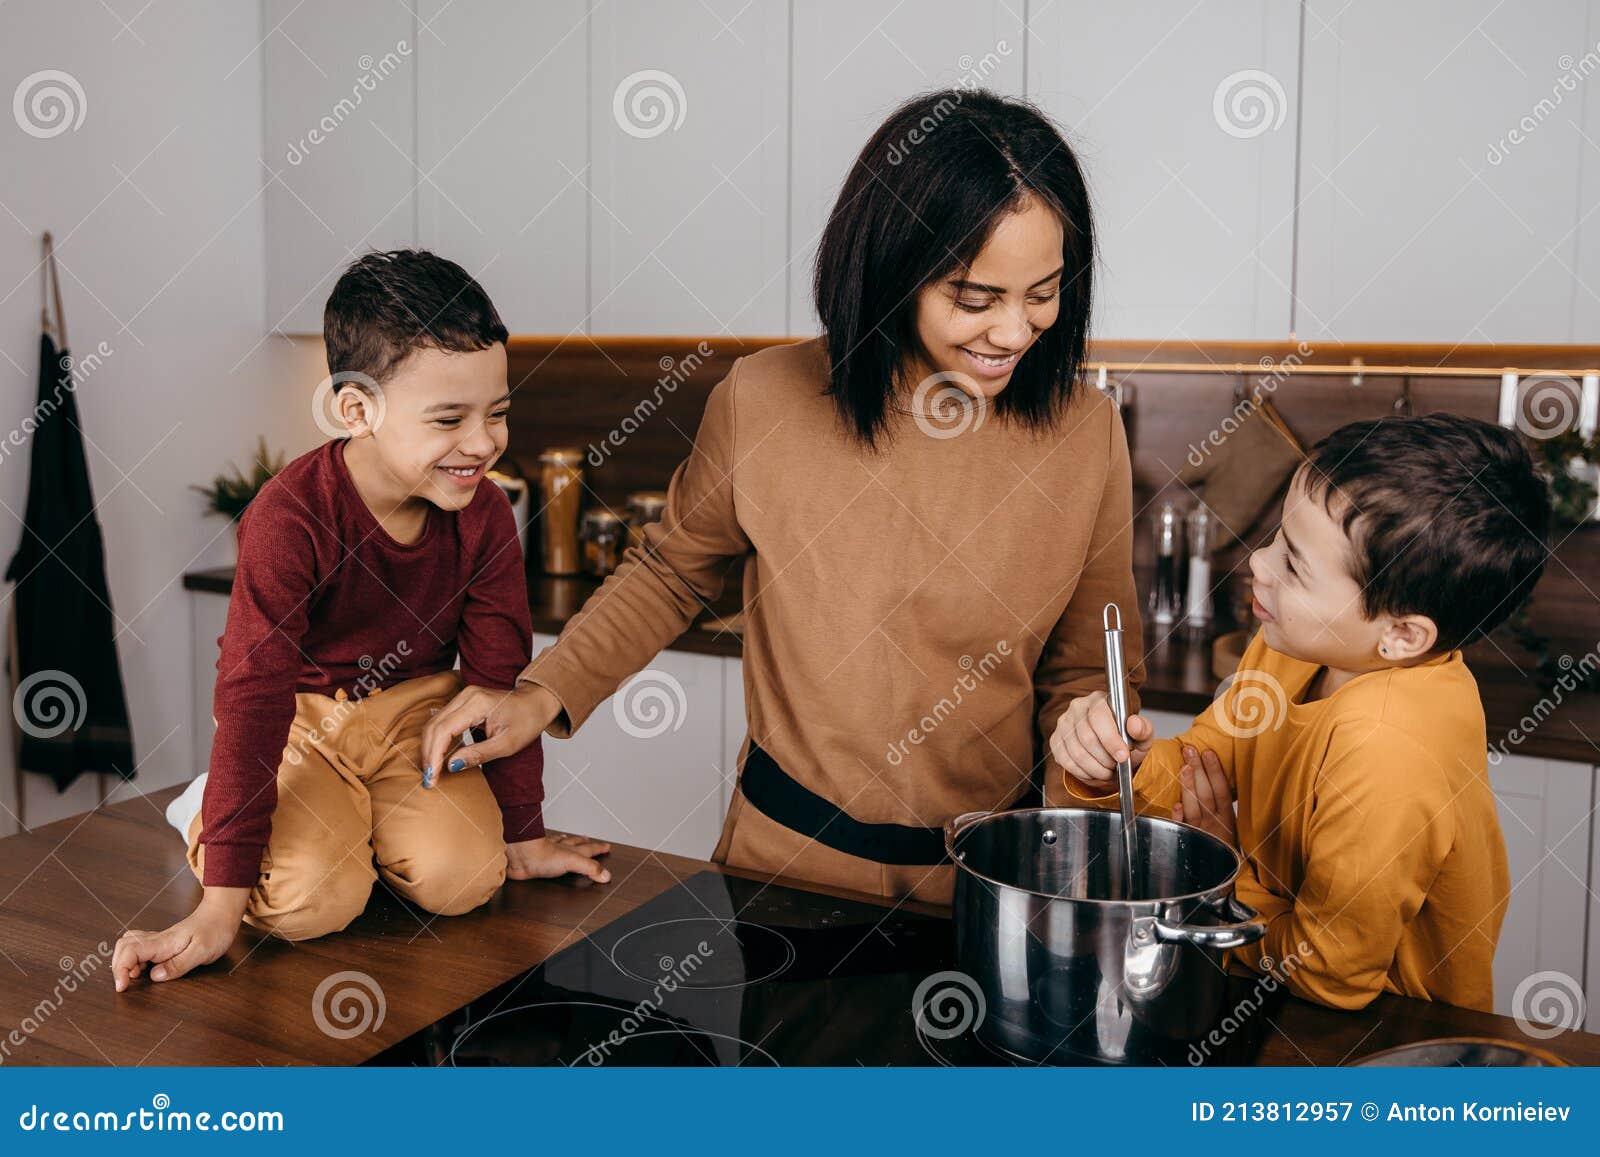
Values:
[(1468, 1052)]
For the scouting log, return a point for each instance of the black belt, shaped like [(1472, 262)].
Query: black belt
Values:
[(788, 802)]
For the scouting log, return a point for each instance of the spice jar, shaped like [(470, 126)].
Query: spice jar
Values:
[(644, 507), (602, 535), (560, 491)]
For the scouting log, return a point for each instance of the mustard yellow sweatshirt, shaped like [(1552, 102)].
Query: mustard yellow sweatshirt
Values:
[(1369, 830)]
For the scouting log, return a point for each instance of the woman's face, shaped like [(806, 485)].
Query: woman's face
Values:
[(978, 321)]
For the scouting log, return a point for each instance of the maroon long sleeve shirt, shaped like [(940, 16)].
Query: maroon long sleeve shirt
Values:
[(324, 599)]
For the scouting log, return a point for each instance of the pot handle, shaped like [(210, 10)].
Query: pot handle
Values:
[(955, 827), (1247, 929)]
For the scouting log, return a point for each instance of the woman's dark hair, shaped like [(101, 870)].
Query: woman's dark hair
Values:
[(1446, 515), (388, 304), (921, 201)]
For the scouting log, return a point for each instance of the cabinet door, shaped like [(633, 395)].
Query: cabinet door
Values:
[(1546, 809), (1439, 171), (854, 61), (208, 617), (1185, 122), (1592, 913), (690, 146), (646, 767), (339, 138), (502, 144)]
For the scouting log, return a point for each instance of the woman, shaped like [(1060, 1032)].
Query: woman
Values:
[(934, 508)]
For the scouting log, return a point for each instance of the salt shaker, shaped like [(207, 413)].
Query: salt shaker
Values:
[(1197, 605)]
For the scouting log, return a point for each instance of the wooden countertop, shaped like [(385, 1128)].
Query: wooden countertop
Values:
[(75, 884), (1178, 675)]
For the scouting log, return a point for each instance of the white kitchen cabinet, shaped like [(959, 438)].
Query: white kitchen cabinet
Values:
[(689, 139), (1421, 219), (338, 146), (1546, 816), (208, 617), (854, 61), (648, 767), (502, 145), (1592, 980), (1586, 283), (1194, 205)]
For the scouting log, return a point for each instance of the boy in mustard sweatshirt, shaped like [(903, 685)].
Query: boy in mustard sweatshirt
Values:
[(1352, 736)]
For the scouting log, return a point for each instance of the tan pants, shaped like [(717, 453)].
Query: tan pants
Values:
[(350, 790)]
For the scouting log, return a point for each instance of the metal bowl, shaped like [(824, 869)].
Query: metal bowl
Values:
[(1468, 1052)]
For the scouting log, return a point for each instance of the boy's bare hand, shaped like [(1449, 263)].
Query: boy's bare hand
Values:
[(510, 721), (552, 856), (199, 938), (1207, 800), (1086, 741)]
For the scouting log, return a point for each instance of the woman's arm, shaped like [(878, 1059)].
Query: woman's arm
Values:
[(661, 586), (653, 596), (1073, 663)]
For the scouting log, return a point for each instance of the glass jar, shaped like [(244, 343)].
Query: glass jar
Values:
[(603, 536), (644, 507), (560, 492)]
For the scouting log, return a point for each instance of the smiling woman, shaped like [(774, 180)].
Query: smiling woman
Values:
[(923, 490)]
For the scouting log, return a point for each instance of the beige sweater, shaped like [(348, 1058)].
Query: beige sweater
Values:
[(916, 617)]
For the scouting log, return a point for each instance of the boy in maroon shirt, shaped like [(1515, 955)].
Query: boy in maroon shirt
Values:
[(365, 568)]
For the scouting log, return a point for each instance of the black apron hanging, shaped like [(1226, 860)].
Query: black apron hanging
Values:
[(67, 693)]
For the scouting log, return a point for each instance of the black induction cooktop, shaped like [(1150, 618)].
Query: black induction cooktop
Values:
[(724, 971)]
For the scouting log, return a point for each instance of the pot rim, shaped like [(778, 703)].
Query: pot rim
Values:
[(963, 866)]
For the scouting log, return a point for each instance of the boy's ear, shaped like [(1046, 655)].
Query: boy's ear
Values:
[(1407, 637), (356, 409)]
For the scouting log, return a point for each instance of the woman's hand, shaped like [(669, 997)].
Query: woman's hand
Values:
[(1207, 800), (510, 720), (199, 938), (552, 856), (1086, 741)]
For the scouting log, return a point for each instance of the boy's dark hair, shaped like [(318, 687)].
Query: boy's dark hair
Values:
[(387, 305), (922, 200), (1447, 516)]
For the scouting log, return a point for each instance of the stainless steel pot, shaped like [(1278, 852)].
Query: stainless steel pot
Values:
[(1069, 968)]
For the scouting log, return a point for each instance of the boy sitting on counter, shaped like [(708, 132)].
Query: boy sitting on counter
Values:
[(366, 567), (1352, 736)]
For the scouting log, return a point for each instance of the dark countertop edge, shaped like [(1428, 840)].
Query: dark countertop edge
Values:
[(1169, 686)]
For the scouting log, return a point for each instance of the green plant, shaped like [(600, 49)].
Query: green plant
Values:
[(1572, 498), (230, 493)]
